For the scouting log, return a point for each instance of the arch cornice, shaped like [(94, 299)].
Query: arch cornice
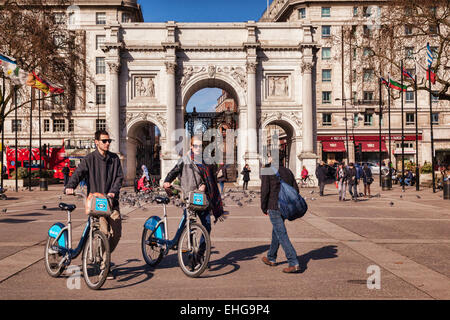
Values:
[(292, 118), (157, 118)]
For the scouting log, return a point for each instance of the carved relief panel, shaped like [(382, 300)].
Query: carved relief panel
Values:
[(143, 86), (277, 87)]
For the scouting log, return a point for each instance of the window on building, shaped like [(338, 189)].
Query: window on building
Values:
[(354, 76), (409, 52), (71, 126), (326, 75), (326, 53), (433, 29), (326, 119), (368, 96), (126, 17), (100, 94), (434, 96), (59, 125), (366, 12), (355, 11), (408, 30), (100, 67), (368, 75), (100, 18), (409, 96), (355, 53), (59, 18), (326, 12), (368, 119), (354, 96), (58, 100), (100, 124), (326, 97), (46, 125), (435, 118), (367, 52), (410, 118), (366, 31), (302, 13), (16, 125), (99, 40), (326, 31)]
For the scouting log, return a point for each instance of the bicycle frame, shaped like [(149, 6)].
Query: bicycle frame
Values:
[(69, 252), (184, 222)]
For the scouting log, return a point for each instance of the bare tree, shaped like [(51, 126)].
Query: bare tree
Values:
[(399, 31), (36, 36)]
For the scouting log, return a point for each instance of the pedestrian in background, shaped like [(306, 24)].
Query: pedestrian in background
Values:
[(367, 179), (222, 176), (341, 178), (66, 173), (270, 187), (352, 181), (246, 173), (321, 174)]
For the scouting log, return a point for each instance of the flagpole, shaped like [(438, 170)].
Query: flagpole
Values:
[(417, 134), (403, 137), (379, 125), (3, 129), (31, 139), (431, 131), (40, 141), (15, 117)]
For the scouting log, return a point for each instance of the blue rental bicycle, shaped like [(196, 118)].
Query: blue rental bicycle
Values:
[(93, 244), (191, 241)]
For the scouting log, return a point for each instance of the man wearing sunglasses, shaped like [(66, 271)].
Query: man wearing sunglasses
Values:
[(103, 173)]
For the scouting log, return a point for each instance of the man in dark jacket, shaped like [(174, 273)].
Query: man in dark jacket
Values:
[(352, 181), (270, 187), (66, 173), (103, 172), (321, 174)]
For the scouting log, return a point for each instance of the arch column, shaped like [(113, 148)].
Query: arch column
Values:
[(251, 155), (112, 106), (130, 172)]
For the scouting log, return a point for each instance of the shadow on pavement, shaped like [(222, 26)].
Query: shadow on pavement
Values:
[(232, 259), (15, 220), (126, 274), (327, 252)]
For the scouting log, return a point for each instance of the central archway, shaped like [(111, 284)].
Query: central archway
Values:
[(226, 116)]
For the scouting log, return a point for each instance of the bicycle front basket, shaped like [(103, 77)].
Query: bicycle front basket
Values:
[(98, 203), (198, 201)]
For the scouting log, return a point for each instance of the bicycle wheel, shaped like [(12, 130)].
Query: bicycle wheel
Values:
[(96, 267), (52, 258), (152, 253), (193, 261), (311, 183)]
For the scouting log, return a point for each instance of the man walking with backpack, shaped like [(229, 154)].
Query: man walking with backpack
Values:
[(270, 188)]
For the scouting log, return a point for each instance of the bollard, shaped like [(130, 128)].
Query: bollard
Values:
[(43, 184), (446, 189), (386, 183)]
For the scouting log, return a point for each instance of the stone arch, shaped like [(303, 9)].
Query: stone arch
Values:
[(220, 80), (293, 143), (134, 138)]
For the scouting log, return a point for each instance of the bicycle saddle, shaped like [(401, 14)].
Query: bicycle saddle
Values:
[(161, 200), (67, 207)]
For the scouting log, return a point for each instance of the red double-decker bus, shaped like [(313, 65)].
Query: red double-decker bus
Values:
[(54, 159)]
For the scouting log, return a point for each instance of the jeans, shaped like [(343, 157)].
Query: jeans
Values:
[(321, 187), (66, 179), (280, 236), (245, 185), (221, 184), (353, 189), (342, 185), (205, 219)]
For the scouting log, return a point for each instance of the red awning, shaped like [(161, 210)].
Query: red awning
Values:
[(333, 146), (373, 146)]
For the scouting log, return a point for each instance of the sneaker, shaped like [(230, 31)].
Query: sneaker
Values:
[(110, 275)]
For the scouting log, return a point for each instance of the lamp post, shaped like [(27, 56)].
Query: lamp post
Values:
[(344, 102)]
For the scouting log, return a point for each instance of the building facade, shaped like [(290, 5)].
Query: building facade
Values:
[(280, 71)]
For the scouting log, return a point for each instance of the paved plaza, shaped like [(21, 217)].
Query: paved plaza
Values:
[(399, 241)]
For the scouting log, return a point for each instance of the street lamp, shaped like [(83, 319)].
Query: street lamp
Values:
[(344, 101)]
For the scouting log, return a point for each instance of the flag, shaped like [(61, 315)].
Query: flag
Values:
[(35, 82), (54, 89), (397, 86), (431, 74), (385, 82), (407, 74), (430, 55), (12, 70)]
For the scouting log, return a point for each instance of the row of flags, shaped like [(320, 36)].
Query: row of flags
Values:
[(19, 76), (390, 83)]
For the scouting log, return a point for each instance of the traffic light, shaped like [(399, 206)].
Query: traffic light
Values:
[(358, 151)]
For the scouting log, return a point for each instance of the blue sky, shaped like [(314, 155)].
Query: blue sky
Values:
[(203, 11)]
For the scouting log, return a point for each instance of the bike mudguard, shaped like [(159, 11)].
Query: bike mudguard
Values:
[(151, 223), (54, 232)]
